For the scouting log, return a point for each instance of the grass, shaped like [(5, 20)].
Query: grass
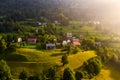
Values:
[(33, 55), (108, 73), (51, 58), (40, 55), (30, 68), (32, 61), (77, 28), (76, 60), (36, 61)]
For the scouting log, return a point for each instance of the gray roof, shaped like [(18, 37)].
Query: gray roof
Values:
[(50, 44)]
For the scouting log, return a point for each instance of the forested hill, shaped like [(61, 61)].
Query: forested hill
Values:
[(74, 9)]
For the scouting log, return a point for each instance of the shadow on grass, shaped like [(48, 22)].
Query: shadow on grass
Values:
[(57, 54), (115, 70), (14, 57)]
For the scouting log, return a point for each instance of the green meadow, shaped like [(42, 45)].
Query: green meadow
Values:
[(36, 61)]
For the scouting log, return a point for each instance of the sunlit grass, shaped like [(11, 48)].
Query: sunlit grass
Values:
[(40, 55), (37, 61), (108, 73), (75, 61)]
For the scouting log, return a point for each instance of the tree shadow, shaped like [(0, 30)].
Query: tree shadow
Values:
[(57, 54), (115, 70), (14, 57)]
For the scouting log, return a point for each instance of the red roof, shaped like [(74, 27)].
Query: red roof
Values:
[(76, 43), (32, 38)]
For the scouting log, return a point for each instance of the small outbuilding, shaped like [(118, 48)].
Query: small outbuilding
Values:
[(32, 40), (76, 43), (50, 46), (19, 40)]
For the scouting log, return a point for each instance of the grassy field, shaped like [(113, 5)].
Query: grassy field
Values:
[(33, 55), (108, 73), (76, 60), (32, 61), (36, 61)]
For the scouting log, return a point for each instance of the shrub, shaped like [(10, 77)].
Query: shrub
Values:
[(78, 75), (11, 48), (90, 68), (64, 60), (4, 71), (34, 78), (68, 74), (41, 46), (51, 73), (23, 75)]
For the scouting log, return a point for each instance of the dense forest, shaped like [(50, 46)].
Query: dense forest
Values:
[(77, 9)]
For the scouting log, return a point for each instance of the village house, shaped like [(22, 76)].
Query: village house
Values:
[(81, 36), (64, 42), (76, 43), (32, 40), (56, 22), (50, 46), (98, 43), (39, 23), (69, 35), (19, 40)]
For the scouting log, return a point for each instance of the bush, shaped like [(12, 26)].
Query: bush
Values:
[(23, 75), (64, 60), (93, 66), (41, 46), (114, 58), (11, 48), (4, 71), (34, 78), (51, 74), (90, 68), (74, 51), (68, 74), (78, 75)]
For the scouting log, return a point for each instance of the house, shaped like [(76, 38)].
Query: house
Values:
[(19, 40), (69, 35), (32, 40), (56, 22), (36, 30), (68, 41), (76, 43), (50, 46), (64, 42), (98, 43), (76, 39), (39, 23), (81, 36)]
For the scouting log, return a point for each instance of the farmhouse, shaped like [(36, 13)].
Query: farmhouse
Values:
[(69, 35), (81, 36), (32, 40), (76, 43), (98, 43), (19, 39), (50, 46), (64, 42)]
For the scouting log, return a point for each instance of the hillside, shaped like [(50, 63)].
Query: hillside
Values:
[(45, 38), (37, 61), (77, 9)]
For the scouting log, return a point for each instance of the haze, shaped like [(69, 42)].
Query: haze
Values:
[(107, 10)]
